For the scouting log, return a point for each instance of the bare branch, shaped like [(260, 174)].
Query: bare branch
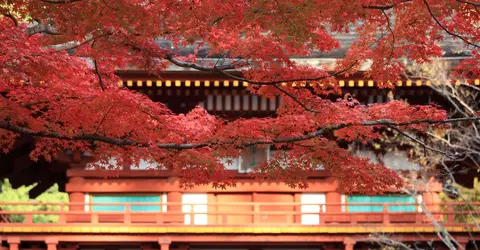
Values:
[(424, 145)]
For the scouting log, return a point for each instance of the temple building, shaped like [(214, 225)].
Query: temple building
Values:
[(147, 209)]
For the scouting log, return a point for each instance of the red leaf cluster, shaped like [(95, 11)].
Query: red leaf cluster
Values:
[(70, 100)]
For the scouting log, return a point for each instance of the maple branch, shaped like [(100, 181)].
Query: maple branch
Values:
[(290, 80), (31, 104), (383, 7), (97, 72), (170, 57), (10, 16), (445, 28), (74, 44), (59, 1), (295, 99), (41, 28), (393, 36), (182, 146), (468, 2)]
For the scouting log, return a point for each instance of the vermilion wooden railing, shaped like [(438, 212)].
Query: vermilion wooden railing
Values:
[(246, 214)]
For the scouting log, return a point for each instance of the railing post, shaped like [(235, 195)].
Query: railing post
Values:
[(386, 219), (290, 218), (51, 244), (159, 218), (224, 218), (94, 218), (61, 216), (418, 217), (349, 243), (164, 243), (174, 201), (28, 218), (192, 215), (13, 243), (450, 214), (321, 216), (127, 218), (256, 210)]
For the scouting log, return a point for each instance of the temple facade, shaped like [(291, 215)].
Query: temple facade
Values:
[(143, 208)]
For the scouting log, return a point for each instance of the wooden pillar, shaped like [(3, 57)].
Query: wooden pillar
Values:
[(164, 243), (79, 198), (211, 208), (462, 242), (349, 244), (51, 244), (298, 208), (256, 209), (174, 197), (13, 243), (431, 200), (336, 199)]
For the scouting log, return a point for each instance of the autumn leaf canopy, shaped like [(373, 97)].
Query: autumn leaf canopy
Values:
[(58, 83)]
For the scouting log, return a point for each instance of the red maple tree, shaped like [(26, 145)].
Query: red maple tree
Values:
[(71, 100)]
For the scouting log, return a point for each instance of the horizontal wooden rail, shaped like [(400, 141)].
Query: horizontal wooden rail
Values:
[(235, 213)]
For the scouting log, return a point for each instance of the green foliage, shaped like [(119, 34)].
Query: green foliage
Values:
[(8, 194), (468, 196)]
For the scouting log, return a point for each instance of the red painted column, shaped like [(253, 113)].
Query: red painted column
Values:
[(349, 244), (13, 242), (77, 197), (431, 200), (164, 243), (212, 208), (298, 208), (51, 244), (335, 199), (174, 197)]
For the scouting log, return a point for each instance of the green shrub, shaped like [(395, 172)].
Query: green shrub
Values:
[(8, 194)]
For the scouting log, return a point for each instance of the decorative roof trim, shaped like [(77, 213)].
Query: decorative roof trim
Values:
[(235, 83)]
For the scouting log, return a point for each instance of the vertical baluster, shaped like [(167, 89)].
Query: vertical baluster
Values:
[(94, 217), (28, 218), (450, 214), (321, 217), (61, 218), (386, 219), (192, 215), (127, 216), (256, 210)]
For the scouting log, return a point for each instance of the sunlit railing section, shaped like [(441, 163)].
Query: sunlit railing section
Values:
[(241, 214)]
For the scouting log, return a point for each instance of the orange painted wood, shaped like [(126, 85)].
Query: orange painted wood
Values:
[(332, 199), (172, 198), (163, 185), (275, 200), (235, 198), (79, 198), (212, 199)]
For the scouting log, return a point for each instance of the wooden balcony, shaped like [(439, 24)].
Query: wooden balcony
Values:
[(246, 217)]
